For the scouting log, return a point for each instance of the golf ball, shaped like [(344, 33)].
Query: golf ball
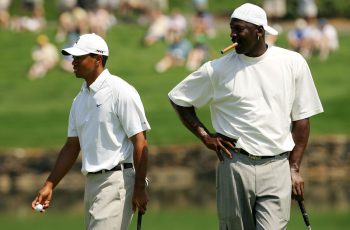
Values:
[(39, 208)]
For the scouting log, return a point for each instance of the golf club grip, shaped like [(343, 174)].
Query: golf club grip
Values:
[(304, 213), (139, 220)]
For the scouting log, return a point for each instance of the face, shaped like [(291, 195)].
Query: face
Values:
[(83, 66), (245, 34)]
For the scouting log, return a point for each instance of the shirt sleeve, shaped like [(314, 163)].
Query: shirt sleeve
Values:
[(306, 102), (195, 90), (72, 131), (131, 114)]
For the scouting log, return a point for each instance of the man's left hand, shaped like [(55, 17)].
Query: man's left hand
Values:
[(297, 185)]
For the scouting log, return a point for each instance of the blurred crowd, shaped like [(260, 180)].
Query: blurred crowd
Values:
[(313, 37), (186, 36), (310, 35)]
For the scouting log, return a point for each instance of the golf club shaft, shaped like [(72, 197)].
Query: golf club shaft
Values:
[(304, 213), (139, 220)]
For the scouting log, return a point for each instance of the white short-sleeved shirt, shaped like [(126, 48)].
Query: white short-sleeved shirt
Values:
[(103, 118), (253, 100)]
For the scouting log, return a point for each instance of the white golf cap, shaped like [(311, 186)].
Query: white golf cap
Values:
[(86, 44), (255, 15)]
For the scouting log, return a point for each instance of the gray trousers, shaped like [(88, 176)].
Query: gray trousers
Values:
[(253, 194), (108, 200)]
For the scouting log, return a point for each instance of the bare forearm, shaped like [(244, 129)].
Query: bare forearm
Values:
[(189, 118), (300, 132), (64, 163), (191, 121), (140, 159)]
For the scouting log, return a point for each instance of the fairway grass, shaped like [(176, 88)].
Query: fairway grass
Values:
[(169, 219)]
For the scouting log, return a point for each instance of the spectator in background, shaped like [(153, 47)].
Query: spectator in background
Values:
[(307, 9), (175, 27), (110, 5), (66, 24), (66, 5), (176, 54), (328, 39), (100, 21), (178, 21), (200, 5), (72, 21), (4, 13), (208, 20), (296, 35), (275, 9), (162, 5), (158, 28), (32, 17), (200, 51), (303, 38), (45, 57)]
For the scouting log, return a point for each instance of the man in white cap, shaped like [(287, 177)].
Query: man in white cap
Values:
[(260, 98), (107, 123)]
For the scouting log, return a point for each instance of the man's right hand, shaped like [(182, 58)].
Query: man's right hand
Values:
[(219, 145), (44, 196)]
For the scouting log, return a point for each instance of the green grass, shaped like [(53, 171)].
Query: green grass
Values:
[(170, 219), (35, 113)]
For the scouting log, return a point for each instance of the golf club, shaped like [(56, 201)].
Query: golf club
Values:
[(139, 213), (304, 213), (139, 220)]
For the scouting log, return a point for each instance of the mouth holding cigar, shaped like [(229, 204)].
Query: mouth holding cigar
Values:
[(228, 48)]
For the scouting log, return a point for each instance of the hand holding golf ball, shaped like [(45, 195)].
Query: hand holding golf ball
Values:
[(39, 208)]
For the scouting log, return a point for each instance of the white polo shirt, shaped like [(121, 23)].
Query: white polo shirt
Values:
[(253, 100), (103, 118)]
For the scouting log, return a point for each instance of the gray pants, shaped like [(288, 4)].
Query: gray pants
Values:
[(108, 200), (253, 194)]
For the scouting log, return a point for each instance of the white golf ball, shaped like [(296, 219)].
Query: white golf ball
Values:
[(39, 208)]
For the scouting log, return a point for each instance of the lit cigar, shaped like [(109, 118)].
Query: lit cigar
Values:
[(228, 48)]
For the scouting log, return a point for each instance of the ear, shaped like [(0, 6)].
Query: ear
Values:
[(260, 31), (98, 59)]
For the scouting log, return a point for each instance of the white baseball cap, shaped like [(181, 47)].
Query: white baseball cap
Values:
[(86, 44), (253, 14)]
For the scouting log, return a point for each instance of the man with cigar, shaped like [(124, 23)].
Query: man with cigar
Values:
[(260, 98), (107, 123)]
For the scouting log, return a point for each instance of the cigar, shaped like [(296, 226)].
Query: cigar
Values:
[(228, 48)]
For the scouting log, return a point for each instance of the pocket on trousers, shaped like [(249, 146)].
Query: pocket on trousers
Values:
[(282, 172), (226, 192)]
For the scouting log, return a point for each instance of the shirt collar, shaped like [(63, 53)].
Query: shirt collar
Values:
[(97, 84), (255, 59)]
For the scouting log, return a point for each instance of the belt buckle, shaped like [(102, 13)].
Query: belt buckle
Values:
[(253, 157)]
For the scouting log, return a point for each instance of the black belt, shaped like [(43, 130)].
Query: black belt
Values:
[(116, 168), (242, 151)]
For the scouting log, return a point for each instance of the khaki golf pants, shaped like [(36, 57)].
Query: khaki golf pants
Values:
[(253, 194), (108, 200)]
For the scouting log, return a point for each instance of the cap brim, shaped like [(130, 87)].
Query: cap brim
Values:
[(74, 51), (270, 30)]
